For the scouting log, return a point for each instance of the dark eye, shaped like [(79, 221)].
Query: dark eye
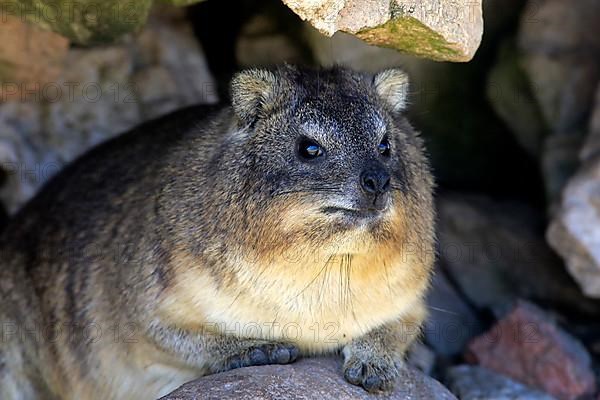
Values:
[(384, 147), (309, 149)]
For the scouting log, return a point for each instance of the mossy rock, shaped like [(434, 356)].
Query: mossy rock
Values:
[(181, 3), (6, 70), (87, 22), (412, 36), (510, 93)]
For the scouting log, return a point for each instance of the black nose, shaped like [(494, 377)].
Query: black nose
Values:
[(375, 181)]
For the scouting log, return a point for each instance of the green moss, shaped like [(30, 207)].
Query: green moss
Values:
[(85, 22), (6, 70), (510, 93), (181, 3), (410, 35)]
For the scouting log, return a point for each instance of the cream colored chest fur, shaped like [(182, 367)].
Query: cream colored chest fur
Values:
[(317, 305)]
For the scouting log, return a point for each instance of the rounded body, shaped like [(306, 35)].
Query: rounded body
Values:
[(166, 253)]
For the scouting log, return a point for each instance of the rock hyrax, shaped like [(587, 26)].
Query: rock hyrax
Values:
[(296, 221)]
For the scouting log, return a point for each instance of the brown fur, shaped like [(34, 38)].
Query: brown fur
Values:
[(198, 243)]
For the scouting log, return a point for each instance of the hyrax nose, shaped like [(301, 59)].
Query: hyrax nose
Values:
[(375, 181)]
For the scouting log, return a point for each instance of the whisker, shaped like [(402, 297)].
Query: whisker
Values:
[(443, 310), (397, 187), (324, 281), (313, 280), (348, 288), (351, 295)]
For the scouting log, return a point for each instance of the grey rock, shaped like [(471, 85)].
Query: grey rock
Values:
[(421, 357), (3, 216), (492, 250), (509, 93), (575, 230), (451, 322), (559, 45), (318, 378), (169, 41), (103, 92), (591, 146), (263, 41), (563, 87), (478, 383), (559, 161)]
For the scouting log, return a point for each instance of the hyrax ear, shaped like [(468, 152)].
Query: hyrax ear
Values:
[(251, 91), (392, 86)]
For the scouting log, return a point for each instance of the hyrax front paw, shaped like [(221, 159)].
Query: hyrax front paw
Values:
[(374, 372), (262, 354)]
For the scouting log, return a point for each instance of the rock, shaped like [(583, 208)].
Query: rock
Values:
[(500, 17), (559, 42), (560, 160), (182, 2), (169, 43), (19, 157), (591, 146), (103, 92), (530, 348), (452, 322), (421, 358), (30, 58), (476, 383), (575, 230), (319, 378), (449, 31), (509, 91), (85, 22), (263, 42), (3, 214), (564, 89), (345, 49), (559, 45), (492, 249)]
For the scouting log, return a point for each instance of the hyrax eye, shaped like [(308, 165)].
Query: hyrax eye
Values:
[(309, 149), (384, 147)]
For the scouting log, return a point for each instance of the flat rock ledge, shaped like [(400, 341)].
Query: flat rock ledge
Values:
[(311, 378)]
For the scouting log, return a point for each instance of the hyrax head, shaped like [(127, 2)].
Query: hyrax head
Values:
[(329, 148)]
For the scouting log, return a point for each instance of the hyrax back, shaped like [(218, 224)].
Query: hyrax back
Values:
[(298, 220)]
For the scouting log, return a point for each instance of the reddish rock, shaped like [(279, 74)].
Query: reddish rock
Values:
[(30, 58), (528, 346)]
